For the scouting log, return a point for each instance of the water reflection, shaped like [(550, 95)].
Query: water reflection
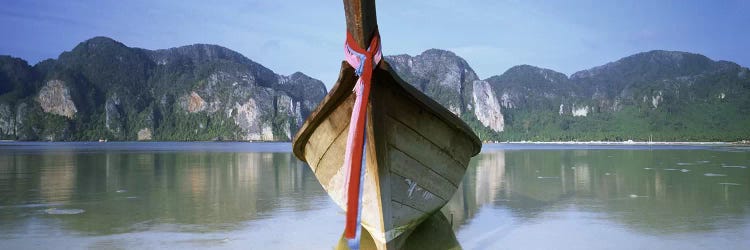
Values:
[(125, 192), (434, 233), (653, 191), (229, 195)]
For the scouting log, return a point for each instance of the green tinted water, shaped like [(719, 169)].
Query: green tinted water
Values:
[(243, 195)]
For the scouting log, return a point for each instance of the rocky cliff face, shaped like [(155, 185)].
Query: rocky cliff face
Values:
[(262, 104), (7, 121), (104, 89), (525, 86), (665, 94), (449, 80), (487, 107), (17, 81), (55, 98), (440, 74)]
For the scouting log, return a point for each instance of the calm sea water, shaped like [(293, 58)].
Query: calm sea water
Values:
[(258, 196)]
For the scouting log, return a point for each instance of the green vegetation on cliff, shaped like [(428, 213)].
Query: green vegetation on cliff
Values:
[(103, 89), (659, 95)]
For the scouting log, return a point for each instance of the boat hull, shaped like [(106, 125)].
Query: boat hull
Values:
[(416, 153)]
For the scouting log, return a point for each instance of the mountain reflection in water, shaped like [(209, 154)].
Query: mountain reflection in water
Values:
[(543, 198), (239, 195)]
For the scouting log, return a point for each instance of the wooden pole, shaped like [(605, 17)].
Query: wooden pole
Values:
[(360, 20)]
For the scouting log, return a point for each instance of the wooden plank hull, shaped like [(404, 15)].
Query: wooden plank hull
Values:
[(416, 153)]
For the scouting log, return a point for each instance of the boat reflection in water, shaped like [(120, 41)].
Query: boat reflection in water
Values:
[(433, 233), (226, 195)]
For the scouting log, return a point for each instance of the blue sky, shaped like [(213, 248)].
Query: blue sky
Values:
[(307, 36)]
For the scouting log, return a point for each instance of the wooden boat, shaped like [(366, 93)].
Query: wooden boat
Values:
[(416, 150)]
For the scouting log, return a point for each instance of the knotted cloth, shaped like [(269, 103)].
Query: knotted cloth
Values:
[(363, 61)]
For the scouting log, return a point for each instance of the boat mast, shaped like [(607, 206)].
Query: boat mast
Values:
[(360, 20)]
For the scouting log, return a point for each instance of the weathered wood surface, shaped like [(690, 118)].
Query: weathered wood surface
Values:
[(416, 196), (330, 149), (337, 125), (409, 168), (453, 142), (361, 20), (342, 90), (424, 152), (406, 216), (324, 170), (330, 102), (416, 156), (387, 74), (417, 150)]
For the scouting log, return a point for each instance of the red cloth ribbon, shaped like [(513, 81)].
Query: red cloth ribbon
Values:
[(364, 61)]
